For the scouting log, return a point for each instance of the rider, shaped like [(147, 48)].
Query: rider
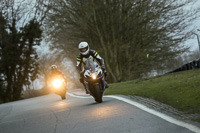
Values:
[(85, 55), (54, 72)]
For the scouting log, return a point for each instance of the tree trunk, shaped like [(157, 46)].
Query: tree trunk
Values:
[(104, 48)]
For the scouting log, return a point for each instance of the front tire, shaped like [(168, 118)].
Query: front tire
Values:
[(63, 95), (97, 93)]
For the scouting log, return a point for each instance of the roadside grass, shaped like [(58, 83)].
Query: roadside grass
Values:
[(181, 90)]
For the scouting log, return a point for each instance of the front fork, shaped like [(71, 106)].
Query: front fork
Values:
[(103, 87)]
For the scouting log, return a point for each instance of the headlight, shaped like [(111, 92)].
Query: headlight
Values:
[(57, 83), (94, 75)]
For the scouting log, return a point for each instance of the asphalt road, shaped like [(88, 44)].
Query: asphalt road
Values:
[(50, 114)]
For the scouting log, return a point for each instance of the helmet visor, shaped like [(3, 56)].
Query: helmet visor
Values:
[(84, 49), (53, 67)]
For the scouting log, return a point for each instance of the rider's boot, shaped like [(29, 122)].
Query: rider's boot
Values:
[(86, 91), (106, 84)]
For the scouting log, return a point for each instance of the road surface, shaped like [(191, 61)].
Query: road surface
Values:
[(50, 114)]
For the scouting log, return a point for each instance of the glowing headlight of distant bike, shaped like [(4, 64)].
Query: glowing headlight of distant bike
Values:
[(57, 83), (94, 75)]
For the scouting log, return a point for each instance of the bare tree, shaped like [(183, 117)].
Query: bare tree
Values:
[(18, 56), (122, 31)]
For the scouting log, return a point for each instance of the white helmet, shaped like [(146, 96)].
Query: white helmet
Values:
[(84, 48), (54, 67)]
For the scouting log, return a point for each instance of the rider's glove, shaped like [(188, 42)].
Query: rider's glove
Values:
[(104, 71)]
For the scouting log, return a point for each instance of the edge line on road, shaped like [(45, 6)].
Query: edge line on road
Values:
[(151, 111)]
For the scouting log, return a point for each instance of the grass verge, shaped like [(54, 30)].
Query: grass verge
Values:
[(181, 90)]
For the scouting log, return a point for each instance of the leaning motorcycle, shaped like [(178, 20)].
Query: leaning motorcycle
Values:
[(58, 86), (94, 80)]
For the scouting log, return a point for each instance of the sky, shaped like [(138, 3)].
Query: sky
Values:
[(193, 43)]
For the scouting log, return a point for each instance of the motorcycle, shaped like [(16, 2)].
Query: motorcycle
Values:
[(58, 86), (94, 80)]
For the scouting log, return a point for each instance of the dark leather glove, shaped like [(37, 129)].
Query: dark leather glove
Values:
[(103, 68), (104, 71)]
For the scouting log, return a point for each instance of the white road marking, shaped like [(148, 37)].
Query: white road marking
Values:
[(151, 111)]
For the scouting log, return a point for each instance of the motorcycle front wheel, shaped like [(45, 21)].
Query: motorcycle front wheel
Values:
[(63, 95), (97, 93)]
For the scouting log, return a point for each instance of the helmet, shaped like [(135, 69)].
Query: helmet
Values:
[(53, 67), (84, 48)]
